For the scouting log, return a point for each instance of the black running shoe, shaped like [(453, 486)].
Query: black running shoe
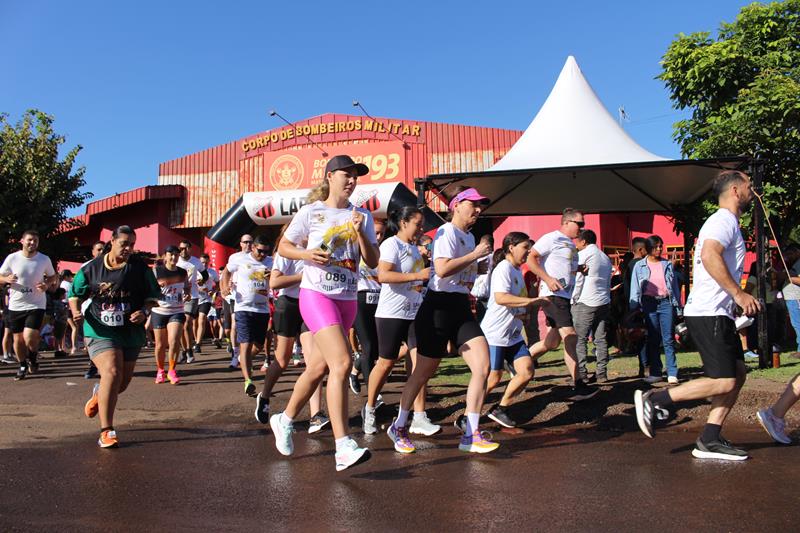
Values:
[(645, 412), (91, 372), (198, 348), (318, 421), (718, 449), (262, 409), (460, 423), (355, 384), (189, 357), (21, 373), (217, 344), (581, 391), (500, 415)]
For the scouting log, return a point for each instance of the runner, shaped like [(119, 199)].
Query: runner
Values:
[(250, 276), (229, 302), (30, 273), (66, 284), (207, 288), (554, 259), (98, 248), (285, 278), (122, 289), (167, 318), (503, 323), (719, 263), (772, 418), (197, 276), (338, 235), (445, 315), (368, 291), (401, 272)]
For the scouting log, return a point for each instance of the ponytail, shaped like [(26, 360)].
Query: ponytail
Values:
[(320, 192)]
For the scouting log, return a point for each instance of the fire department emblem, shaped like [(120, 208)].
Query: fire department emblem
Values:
[(286, 173)]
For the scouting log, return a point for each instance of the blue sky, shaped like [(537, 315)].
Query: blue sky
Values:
[(139, 83)]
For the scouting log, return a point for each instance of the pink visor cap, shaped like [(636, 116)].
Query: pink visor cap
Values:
[(468, 194)]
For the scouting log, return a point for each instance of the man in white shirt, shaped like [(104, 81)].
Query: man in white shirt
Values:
[(591, 302), (554, 259), (709, 312), (197, 275), (207, 291), (229, 299), (30, 273)]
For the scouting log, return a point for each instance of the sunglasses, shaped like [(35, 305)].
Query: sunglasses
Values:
[(578, 223), (181, 248), (246, 242), (261, 251)]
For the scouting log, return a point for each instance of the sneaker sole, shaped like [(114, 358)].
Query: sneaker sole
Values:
[(471, 449), (316, 429), (700, 454), (397, 448), (639, 403), (106, 446), (275, 432), (504, 424), (365, 455), (424, 433), (764, 425)]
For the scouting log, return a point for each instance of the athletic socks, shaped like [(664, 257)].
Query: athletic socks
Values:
[(472, 422), (662, 398), (402, 418), (419, 414), (341, 442), (285, 420), (710, 433)]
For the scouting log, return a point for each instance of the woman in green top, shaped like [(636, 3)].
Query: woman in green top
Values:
[(117, 290)]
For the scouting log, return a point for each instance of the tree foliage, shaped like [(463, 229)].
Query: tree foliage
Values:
[(743, 91), (37, 186)]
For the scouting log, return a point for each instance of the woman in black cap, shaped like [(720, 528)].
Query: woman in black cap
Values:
[(167, 318)]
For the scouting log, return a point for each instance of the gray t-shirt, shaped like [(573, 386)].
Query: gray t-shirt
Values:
[(792, 291)]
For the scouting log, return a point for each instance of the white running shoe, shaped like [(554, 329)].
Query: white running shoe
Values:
[(283, 434), (422, 425), (349, 454), (368, 416), (673, 380), (776, 427)]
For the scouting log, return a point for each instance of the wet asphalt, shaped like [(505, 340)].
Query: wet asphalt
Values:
[(194, 458)]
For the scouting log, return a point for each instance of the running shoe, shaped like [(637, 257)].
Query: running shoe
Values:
[(262, 409), (198, 348), (422, 425), (673, 380), (33, 362), (173, 377), (500, 415), (91, 372), (108, 439), (91, 408), (228, 347), (283, 435), (189, 357), (399, 437), (776, 427), (460, 423), (718, 449), (355, 384), (182, 357), (217, 344), (264, 366), (9, 359), (645, 412), (349, 454), (379, 401), (250, 388), (581, 391), (478, 442), (318, 421), (22, 372), (161, 375), (368, 417), (749, 354), (234, 365)]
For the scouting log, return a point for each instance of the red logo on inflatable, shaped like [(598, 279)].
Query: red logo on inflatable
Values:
[(266, 211)]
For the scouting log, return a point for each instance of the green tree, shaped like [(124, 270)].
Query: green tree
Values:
[(37, 186), (743, 91)]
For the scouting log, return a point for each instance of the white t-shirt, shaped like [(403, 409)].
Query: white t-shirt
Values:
[(559, 258), (193, 267), (250, 276), (400, 300), (317, 224), (30, 271), (706, 297), (451, 243), (501, 325), (288, 267), (593, 288), (66, 285), (368, 278), (231, 298), (206, 288)]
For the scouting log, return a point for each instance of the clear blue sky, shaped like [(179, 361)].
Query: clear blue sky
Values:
[(139, 83)]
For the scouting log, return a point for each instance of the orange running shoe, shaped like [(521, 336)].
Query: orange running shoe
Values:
[(91, 407), (108, 439)]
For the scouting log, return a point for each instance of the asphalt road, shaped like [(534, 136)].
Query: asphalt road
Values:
[(193, 457)]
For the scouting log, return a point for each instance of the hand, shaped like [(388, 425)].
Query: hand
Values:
[(750, 306), (138, 317), (77, 317), (484, 247), (263, 292), (553, 284), (13, 278), (319, 257), (424, 274), (187, 297), (582, 269), (41, 286), (357, 219)]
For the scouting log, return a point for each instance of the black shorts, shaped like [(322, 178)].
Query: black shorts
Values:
[(287, 321), (559, 312), (159, 321), (443, 317), (392, 333), (718, 343), (204, 308), (251, 327), (59, 328), (29, 319)]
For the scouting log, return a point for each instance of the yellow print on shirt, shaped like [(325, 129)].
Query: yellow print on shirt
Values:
[(339, 236), (259, 275)]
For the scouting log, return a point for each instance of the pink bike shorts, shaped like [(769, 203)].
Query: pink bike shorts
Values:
[(320, 312)]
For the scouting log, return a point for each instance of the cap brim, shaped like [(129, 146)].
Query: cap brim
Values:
[(361, 169)]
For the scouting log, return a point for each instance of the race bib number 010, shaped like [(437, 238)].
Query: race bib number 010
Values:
[(112, 317)]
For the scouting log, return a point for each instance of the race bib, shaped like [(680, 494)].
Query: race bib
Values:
[(372, 298), (112, 317)]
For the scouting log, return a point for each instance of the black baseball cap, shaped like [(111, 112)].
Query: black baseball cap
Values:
[(341, 162), (172, 249)]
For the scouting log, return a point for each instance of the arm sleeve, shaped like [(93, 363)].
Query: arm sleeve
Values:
[(389, 252), (544, 245), (5, 269), (49, 271), (501, 280), (298, 229), (722, 232), (444, 245), (80, 287)]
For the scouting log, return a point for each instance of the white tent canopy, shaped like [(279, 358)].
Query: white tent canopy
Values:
[(575, 154)]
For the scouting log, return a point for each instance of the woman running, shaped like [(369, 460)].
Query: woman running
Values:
[(445, 315), (167, 318), (503, 323), (401, 271), (285, 278), (121, 289), (337, 234)]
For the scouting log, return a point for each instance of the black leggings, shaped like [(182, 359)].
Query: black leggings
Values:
[(367, 334)]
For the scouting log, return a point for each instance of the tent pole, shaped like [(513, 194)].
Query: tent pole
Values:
[(764, 349), (420, 185)]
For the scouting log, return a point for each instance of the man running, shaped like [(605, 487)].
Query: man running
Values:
[(204, 303), (554, 259), (197, 276), (30, 273), (719, 264), (229, 302), (122, 289), (97, 251)]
